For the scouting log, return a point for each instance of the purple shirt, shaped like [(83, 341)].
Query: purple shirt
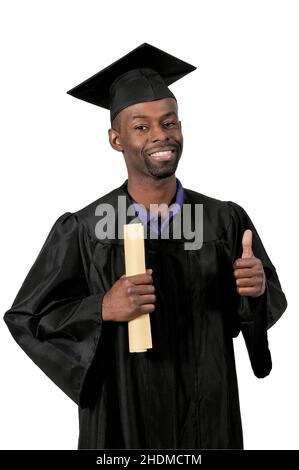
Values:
[(154, 220)]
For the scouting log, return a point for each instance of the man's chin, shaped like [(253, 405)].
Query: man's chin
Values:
[(161, 174), (162, 171)]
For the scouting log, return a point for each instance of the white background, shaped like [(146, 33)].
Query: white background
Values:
[(239, 112)]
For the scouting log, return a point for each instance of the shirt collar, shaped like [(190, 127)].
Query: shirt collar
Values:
[(146, 217)]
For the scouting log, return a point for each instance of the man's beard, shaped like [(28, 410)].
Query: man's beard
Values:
[(162, 169)]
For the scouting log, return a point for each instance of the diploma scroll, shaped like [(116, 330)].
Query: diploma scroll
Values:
[(139, 329)]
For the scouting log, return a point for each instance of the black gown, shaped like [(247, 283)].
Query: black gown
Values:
[(181, 394)]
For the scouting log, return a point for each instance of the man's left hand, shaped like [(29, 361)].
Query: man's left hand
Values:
[(248, 270)]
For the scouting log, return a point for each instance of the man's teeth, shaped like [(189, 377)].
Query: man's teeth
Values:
[(165, 153)]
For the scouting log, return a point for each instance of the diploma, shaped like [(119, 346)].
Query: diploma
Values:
[(139, 329)]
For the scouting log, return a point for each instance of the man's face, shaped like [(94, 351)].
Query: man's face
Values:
[(149, 135)]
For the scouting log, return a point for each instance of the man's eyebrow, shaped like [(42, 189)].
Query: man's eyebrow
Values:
[(143, 116)]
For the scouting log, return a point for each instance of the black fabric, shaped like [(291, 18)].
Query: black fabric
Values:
[(181, 394), (136, 86), (141, 75)]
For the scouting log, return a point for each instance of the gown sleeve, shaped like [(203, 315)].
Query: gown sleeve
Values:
[(255, 314), (54, 318)]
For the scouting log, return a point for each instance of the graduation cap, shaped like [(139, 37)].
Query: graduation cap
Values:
[(141, 75)]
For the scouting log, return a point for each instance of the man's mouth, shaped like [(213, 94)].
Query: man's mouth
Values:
[(163, 155)]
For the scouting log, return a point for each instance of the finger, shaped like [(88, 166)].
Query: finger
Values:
[(247, 244), (244, 272), (142, 289), (249, 282), (245, 263), (146, 308), (143, 278), (256, 270), (251, 291), (147, 299)]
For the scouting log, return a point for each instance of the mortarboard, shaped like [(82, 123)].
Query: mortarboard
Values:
[(141, 75)]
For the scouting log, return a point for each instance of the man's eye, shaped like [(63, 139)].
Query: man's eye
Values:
[(141, 128), (170, 124)]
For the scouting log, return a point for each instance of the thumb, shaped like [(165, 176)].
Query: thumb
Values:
[(247, 244)]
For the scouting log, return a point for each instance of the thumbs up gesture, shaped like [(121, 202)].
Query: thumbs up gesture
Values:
[(248, 270)]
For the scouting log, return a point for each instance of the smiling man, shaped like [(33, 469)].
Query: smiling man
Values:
[(150, 138), (71, 314)]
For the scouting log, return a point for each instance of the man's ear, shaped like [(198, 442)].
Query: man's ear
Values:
[(114, 139)]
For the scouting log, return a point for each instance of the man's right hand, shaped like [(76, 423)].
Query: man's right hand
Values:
[(129, 297)]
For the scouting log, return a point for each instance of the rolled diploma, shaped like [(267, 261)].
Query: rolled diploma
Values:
[(139, 329)]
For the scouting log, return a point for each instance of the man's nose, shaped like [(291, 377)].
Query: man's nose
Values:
[(158, 133)]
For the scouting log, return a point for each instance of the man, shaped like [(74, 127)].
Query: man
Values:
[(71, 314)]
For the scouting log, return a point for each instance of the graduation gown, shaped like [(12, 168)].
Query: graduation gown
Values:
[(181, 394)]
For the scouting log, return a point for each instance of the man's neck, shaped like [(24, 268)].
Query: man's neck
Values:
[(150, 191)]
